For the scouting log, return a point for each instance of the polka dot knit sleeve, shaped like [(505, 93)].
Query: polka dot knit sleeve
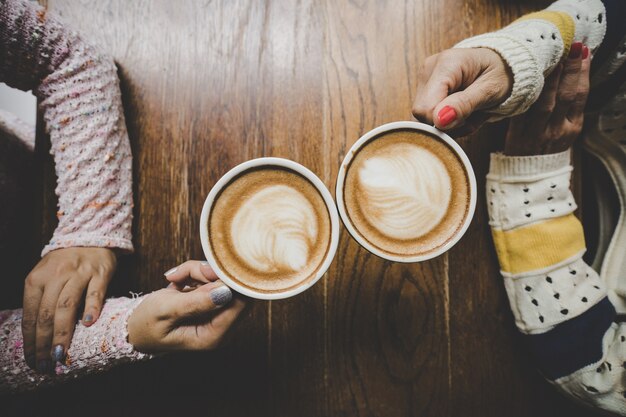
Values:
[(93, 349), (534, 44), (79, 97), (560, 304)]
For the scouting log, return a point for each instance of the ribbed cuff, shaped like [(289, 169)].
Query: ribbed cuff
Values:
[(124, 344), (527, 75), (523, 166), (86, 240)]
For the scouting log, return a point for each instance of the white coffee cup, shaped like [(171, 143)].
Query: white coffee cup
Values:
[(372, 135), (256, 164)]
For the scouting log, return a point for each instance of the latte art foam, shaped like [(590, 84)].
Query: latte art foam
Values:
[(274, 229), (270, 230), (407, 191)]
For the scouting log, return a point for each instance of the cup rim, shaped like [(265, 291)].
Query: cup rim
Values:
[(371, 135), (321, 188)]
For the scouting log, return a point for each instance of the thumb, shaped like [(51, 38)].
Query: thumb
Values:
[(455, 109), (202, 300)]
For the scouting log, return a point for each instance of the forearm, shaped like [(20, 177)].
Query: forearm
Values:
[(92, 156), (94, 349), (533, 45), (80, 99), (560, 304)]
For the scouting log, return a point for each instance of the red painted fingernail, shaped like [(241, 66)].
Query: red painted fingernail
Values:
[(446, 115), (585, 52), (575, 50)]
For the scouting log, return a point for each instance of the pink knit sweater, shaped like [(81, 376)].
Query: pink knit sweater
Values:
[(94, 349), (78, 90)]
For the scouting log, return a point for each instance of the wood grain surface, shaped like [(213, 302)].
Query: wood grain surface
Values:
[(210, 84)]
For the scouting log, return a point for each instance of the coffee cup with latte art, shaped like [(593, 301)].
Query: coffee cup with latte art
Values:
[(406, 192), (269, 228)]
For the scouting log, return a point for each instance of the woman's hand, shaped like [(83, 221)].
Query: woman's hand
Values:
[(193, 313), (556, 119), (454, 85), (53, 294)]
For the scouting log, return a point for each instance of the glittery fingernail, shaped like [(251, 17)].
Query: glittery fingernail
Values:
[(221, 295), (58, 354), (171, 271), (87, 318)]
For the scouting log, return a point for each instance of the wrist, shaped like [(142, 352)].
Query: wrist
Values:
[(134, 330), (141, 326)]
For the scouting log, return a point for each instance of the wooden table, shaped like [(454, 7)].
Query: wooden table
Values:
[(210, 84)]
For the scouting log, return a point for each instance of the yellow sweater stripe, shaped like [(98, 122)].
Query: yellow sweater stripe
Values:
[(561, 20), (539, 245)]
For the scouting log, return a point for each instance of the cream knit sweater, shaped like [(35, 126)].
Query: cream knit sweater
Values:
[(565, 309)]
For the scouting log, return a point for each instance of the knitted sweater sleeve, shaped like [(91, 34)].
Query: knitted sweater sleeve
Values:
[(93, 349), (79, 94), (534, 44), (560, 304)]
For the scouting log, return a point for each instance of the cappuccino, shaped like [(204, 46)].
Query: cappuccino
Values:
[(270, 230), (406, 194)]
